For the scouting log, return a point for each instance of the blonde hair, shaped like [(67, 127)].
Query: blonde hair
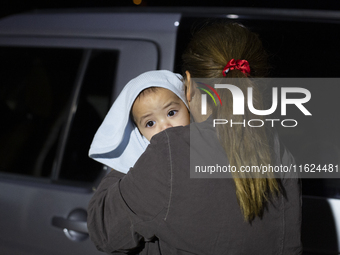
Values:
[(207, 54)]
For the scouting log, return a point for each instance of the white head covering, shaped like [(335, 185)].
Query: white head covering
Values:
[(118, 142)]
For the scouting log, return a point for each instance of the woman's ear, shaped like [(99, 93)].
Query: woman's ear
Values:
[(189, 91)]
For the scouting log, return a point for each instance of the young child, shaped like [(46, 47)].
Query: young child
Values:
[(148, 104)]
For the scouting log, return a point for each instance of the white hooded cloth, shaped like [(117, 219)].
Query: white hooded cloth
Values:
[(118, 142)]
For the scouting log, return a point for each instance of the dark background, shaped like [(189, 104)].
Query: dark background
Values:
[(8, 7)]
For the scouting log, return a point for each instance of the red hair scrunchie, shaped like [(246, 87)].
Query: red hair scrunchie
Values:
[(239, 64)]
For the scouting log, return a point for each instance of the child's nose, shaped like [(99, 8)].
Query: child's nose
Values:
[(165, 125)]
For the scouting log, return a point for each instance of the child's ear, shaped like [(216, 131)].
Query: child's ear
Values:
[(189, 91)]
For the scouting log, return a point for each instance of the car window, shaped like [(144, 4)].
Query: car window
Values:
[(36, 85), (94, 103), (37, 91), (296, 48)]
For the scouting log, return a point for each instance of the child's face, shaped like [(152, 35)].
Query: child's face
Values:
[(157, 110)]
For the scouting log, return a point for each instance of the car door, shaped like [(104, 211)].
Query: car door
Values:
[(55, 91)]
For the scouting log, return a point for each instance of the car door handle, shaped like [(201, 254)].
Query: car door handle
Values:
[(74, 226), (79, 226)]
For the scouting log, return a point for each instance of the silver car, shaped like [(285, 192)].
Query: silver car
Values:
[(61, 71)]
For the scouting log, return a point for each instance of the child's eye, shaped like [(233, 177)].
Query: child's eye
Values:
[(150, 123), (172, 113)]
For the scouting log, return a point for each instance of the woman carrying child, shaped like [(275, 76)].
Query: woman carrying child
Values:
[(157, 208)]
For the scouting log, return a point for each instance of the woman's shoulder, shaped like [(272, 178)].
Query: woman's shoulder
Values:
[(180, 134), (184, 132)]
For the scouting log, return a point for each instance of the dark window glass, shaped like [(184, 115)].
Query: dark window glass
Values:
[(35, 88), (296, 48), (93, 104)]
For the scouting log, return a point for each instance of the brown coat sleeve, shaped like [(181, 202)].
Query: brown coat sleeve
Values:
[(122, 212)]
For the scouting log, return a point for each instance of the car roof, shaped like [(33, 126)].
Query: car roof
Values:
[(88, 24), (126, 22)]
